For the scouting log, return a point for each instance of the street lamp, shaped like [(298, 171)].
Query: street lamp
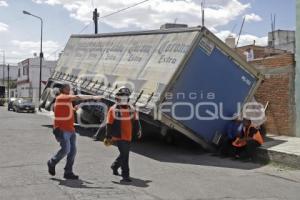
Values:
[(41, 50)]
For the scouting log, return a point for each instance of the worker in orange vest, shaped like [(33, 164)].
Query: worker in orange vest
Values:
[(64, 129), (122, 125), (246, 145)]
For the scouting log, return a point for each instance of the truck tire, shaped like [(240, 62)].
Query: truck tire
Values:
[(87, 117), (169, 139), (44, 97)]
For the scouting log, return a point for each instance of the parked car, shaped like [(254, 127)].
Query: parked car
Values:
[(10, 103), (2, 95), (23, 105)]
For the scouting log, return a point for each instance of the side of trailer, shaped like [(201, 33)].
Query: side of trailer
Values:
[(189, 62), (213, 84)]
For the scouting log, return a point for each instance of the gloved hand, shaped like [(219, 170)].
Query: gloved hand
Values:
[(107, 142), (139, 134)]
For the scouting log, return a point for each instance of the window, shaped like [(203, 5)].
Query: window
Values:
[(19, 72), (270, 43), (25, 70)]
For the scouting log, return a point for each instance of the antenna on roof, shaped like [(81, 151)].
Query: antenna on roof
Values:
[(240, 32), (175, 20), (273, 20), (202, 11)]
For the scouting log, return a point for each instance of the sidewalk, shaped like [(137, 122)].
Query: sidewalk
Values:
[(282, 150)]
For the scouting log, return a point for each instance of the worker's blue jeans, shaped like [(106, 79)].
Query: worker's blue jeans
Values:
[(123, 159), (68, 148)]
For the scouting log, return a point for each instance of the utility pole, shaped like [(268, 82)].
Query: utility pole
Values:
[(95, 19), (41, 51), (3, 67), (8, 82)]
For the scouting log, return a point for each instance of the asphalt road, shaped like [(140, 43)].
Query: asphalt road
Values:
[(158, 171)]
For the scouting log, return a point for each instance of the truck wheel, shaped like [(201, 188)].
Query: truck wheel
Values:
[(169, 138), (44, 97), (86, 117)]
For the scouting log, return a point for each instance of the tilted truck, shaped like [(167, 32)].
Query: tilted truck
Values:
[(183, 79)]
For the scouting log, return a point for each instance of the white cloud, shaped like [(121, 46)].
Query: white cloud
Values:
[(252, 17), (26, 49), (245, 39), (151, 14), (38, 1), (3, 27), (53, 2), (3, 4)]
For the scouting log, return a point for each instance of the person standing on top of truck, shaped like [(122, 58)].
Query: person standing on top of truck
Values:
[(64, 130), (246, 145), (122, 123)]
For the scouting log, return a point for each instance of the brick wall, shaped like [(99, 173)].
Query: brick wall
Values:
[(275, 61), (260, 51), (278, 90)]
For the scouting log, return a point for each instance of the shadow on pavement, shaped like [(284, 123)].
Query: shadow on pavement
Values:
[(187, 155), (78, 184), (135, 182), (183, 151)]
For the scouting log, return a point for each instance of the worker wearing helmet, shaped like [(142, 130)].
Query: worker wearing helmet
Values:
[(122, 124), (245, 146)]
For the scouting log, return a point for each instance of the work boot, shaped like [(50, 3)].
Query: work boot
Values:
[(51, 168), (71, 176), (115, 171), (126, 179)]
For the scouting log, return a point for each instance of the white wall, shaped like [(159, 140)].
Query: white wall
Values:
[(31, 89), (297, 81), (284, 40)]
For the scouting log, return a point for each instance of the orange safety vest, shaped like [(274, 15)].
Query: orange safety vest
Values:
[(256, 136)]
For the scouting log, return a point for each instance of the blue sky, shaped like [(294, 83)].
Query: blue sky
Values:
[(19, 33)]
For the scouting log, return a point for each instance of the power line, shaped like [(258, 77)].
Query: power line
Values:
[(92, 4), (108, 15), (113, 13), (123, 9), (85, 27)]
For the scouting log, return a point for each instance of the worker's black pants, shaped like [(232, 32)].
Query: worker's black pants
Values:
[(123, 159), (248, 151), (226, 148)]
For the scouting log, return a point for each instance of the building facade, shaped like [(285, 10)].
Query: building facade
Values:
[(282, 39), (297, 80), (278, 88), (28, 77)]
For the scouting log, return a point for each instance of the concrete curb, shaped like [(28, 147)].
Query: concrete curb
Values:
[(282, 150)]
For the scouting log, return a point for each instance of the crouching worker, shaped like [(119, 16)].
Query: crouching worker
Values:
[(122, 123), (246, 145), (233, 130)]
